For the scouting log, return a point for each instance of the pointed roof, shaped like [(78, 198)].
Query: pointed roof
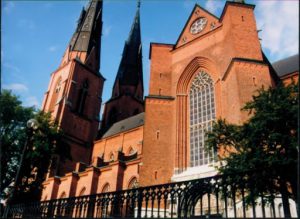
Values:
[(130, 70), (212, 22), (88, 32)]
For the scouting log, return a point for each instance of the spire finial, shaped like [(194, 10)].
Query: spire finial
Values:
[(138, 4)]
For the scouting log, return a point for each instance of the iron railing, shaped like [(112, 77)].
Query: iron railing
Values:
[(208, 197)]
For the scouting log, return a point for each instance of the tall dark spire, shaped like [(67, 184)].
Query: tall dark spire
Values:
[(130, 72), (128, 92), (87, 37)]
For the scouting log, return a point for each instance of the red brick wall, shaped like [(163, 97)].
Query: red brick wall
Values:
[(117, 174), (159, 135), (80, 130), (230, 54)]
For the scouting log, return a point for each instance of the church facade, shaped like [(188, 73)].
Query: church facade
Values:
[(213, 69)]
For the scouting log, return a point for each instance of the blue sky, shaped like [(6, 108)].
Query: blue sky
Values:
[(36, 33)]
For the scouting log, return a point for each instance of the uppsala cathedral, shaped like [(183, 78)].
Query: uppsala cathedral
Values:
[(210, 72)]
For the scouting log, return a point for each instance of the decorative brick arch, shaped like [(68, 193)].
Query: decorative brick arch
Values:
[(182, 102), (105, 188), (131, 151), (132, 183), (191, 69)]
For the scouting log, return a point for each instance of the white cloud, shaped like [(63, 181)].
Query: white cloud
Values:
[(279, 21), (11, 67), (52, 48), (31, 101), (214, 5), (24, 23), (15, 87), (8, 6)]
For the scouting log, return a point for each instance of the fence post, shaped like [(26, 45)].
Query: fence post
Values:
[(140, 202), (6, 210), (50, 209), (285, 200), (91, 206)]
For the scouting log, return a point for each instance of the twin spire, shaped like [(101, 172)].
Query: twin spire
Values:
[(128, 92), (87, 37), (86, 45), (130, 72)]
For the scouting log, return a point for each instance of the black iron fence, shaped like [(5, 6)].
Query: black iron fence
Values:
[(208, 197)]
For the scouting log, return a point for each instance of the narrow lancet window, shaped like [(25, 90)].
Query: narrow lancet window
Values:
[(82, 97)]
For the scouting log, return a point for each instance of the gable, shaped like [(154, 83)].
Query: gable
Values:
[(199, 18)]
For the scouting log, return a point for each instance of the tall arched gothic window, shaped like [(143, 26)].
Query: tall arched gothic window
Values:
[(202, 114), (82, 97), (55, 94)]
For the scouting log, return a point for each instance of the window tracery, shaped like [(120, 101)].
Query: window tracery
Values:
[(202, 115), (133, 183)]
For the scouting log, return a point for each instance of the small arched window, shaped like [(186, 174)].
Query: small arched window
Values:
[(111, 156), (58, 86), (202, 115), (55, 93), (133, 183), (82, 96), (131, 151), (106, 188)]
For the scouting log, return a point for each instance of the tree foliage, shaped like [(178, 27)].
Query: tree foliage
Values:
[(41, 145), (265, 147)]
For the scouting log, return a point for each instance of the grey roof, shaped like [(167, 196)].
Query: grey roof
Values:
[(125, 125), (286, 66)]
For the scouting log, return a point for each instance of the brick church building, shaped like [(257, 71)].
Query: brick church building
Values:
[(210, 72)]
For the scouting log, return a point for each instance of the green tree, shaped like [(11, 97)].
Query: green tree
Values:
[(265, 147), (41, 145)]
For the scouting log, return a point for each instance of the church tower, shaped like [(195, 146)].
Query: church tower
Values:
[(74, 94), (128, 91)]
